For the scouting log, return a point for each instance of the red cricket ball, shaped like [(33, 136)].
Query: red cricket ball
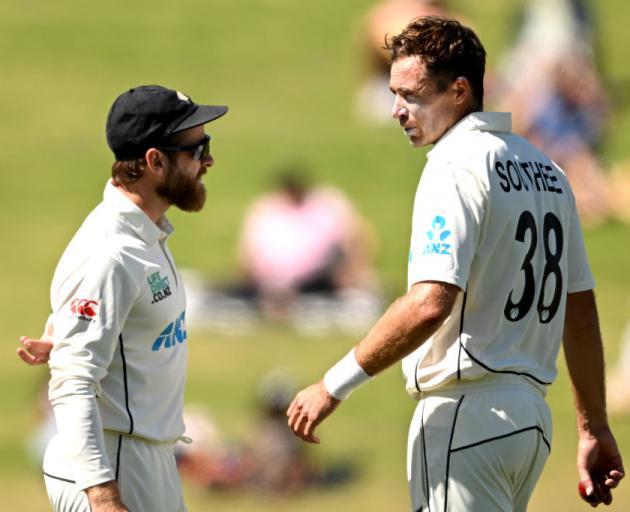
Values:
[(590, 499)]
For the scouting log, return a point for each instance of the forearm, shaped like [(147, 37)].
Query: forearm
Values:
[(585, 360), (105, 497), (408, 323)]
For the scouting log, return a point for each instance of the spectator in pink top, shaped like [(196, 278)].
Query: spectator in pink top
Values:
[(302, 239)]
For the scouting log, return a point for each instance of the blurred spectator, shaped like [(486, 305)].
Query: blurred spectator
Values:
[(303, 239), (619, 175), (272, 460), (279, 460), (550, 82), (387, 18), (305, 257), (208, 459)]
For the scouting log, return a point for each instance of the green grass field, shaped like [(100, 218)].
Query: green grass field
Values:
[(289, 71)]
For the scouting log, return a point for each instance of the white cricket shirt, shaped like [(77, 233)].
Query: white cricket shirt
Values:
[(496, 217), (120, 353)]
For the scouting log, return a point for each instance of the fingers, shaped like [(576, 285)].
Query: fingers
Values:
[(26, 357), (305, 413), (600, 469), (303, 428), (309, 431), (587, 492), (590, 490), (602, 491), (308, 409), (611, 483), (300, 423), (617, 474), (597, 489), (34, 352), (306, 430), (591, 494), (37, 347), (291, 410), (613, 478)]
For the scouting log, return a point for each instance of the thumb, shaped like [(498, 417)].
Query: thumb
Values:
[(586, 483)]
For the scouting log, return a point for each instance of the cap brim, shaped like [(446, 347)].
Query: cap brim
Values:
[(204, 114)]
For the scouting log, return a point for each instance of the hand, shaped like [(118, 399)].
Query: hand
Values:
[(600, 467), (309, 408), (105, 498), (35, 352)]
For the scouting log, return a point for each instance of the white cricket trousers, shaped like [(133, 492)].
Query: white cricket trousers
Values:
[(146, 474), (478, 446)]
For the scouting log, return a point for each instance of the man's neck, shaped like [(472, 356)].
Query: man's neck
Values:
[(463, 115)]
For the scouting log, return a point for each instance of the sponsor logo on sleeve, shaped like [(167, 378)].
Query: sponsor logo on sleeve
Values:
[(85, 309), (173, 334), (438, 237), (160, 287)]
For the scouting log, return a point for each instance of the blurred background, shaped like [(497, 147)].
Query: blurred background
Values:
[(305, 89)]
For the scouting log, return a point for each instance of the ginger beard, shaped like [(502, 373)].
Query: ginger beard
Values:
[(186, 192)]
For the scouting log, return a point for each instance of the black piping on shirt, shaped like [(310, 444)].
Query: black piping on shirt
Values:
[(459, 337), (495, 438), (59, 478), (448, 458), (118, 455), (486, 367), (124, 362), (424, 456)]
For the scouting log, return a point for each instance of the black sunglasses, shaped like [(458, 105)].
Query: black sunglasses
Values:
[(200, 151)]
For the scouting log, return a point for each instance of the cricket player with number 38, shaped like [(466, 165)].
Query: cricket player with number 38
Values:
[(498, 276)]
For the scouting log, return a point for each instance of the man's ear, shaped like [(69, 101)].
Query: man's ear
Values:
[(154, 160), (462, 90)]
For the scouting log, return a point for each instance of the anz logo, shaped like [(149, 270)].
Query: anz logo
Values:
[(438, 237), (174, 333)]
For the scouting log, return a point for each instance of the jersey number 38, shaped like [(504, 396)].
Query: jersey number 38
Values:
[(547, 307)]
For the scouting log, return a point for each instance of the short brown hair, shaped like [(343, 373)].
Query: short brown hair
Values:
[(447, 48), (125, 172)]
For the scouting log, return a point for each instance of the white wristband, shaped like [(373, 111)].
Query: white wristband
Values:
[(344, 377)]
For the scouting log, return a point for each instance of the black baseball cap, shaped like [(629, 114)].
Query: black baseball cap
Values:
[(147, 116)]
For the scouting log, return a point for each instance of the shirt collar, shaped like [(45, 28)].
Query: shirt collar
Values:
[(480, 121), (133, 216)]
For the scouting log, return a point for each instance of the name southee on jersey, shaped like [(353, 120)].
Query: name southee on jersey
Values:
[(517, 176)]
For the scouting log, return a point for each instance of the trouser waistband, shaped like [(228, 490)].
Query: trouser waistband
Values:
[(489, 381), (169, 442)]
